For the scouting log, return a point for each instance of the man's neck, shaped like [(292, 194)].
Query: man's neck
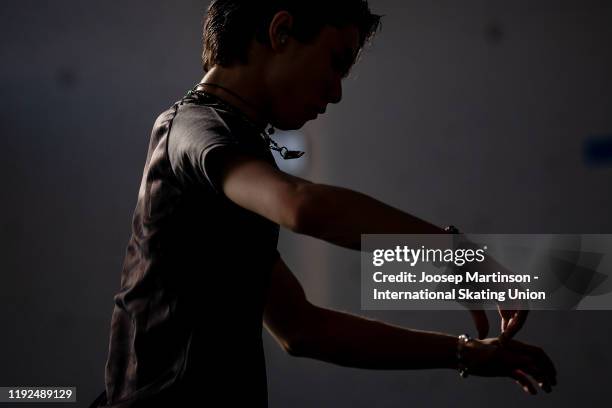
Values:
[(244, 91)]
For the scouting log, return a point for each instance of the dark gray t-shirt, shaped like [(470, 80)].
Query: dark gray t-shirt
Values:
[(187, 320)]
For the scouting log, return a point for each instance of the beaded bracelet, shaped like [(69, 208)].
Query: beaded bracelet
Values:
[(462, 340)]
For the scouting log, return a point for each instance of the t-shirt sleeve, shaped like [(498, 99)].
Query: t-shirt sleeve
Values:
[(195, 141)]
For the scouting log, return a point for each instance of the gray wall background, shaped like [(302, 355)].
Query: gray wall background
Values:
[(473, 113)]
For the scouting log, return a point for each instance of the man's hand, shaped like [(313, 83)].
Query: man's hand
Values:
[(522, 362), (511, 322), (512, 319)]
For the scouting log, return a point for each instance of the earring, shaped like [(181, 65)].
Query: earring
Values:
[(283, 35)]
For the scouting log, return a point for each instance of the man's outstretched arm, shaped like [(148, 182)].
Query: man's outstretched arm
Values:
[(305, 330), (334, 214)]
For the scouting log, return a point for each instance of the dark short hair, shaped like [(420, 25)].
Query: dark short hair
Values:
[(231, 25)]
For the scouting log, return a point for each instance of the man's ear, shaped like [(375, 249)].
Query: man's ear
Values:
[(280, 29)]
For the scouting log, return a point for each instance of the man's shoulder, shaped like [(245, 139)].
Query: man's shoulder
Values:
[(191, 116)]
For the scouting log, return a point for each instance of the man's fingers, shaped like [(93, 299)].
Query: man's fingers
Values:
[(542, 360), (504, 324), (539, 374), (518, 320), (521, 379), (514, 325), (481, 322), (534, 361), (527, 355)]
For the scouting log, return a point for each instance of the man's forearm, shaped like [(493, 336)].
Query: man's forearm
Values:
[(339, 215), (354, 341)]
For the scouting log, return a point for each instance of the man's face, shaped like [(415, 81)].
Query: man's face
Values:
[(304, 78)]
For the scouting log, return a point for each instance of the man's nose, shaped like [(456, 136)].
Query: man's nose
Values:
[(335, 92)]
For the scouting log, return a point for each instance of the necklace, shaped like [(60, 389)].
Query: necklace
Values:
[(265, 134)]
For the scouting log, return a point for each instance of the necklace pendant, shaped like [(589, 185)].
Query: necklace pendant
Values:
[(290, 154)]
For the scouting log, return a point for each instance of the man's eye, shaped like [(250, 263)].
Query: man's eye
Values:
[(336, 64), (340, 66)]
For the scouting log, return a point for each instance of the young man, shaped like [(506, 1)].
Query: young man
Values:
[(202, 274)]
